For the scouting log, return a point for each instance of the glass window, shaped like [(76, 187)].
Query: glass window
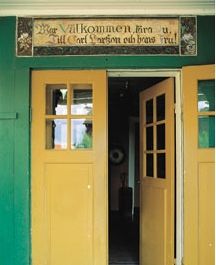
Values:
[(206, 95), (149, 138), (161, 166), (161, 136), (82, 102), (206, 131), (56, 99), (81, 133), (56, 134), (149, 111), (160, 103), (149, 165)]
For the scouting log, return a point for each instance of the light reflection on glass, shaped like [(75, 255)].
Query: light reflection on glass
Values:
[(206, 95), (61, 108), (82, 102), (56, 99), (81, 131), (206, 132), (56, 134)]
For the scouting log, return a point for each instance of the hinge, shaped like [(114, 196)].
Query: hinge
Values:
[(175, 110), (178, 111), (182, 261), (8, 115)]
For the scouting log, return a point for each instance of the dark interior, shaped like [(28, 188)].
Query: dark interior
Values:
[(123, 199)]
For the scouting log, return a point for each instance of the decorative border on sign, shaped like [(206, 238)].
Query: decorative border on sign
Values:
[(24, 36), (188, 36), (186, 47), (106, 50)]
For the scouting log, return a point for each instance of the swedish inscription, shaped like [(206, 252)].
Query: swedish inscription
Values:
[(86, 36), (107, 32)]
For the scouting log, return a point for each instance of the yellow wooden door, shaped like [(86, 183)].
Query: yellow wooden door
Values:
[(69, 168), (199, 175), (157, 174)]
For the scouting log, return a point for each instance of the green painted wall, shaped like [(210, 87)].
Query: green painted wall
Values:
[(15, 130)]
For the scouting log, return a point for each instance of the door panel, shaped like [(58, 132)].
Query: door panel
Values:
[(155, 208), (157, 174), (206, 208), (68, 200), (199, 174), (69, 167)]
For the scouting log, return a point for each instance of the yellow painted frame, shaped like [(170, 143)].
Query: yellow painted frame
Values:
[(177, 75)]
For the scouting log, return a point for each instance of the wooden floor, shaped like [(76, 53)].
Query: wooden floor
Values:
[(123, 241)]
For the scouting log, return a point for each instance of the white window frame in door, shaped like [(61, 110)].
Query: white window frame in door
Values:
[(175, 73)]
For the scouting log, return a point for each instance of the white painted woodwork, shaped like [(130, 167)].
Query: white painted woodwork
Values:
[(107, 7)]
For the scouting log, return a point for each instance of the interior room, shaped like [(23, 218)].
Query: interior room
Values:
[(124, 167)]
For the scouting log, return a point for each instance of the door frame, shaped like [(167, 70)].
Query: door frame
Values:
[(176, 74)]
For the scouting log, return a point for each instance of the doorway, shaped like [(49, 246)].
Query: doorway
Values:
[(123, 162), (124, 167)]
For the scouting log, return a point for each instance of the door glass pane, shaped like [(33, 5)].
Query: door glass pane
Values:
[(56, 99), (161, 166), (82, 102), (206, 131), (206, 95), (160, 103), (81, 133), (149, 165), (149, 111), (149, 138), (161, 137), (56, 134)]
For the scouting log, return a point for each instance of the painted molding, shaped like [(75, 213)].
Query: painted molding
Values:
[(108, 7)]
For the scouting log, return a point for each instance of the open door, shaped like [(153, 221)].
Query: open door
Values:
[(69, 167), (199, 164), (157, 174)]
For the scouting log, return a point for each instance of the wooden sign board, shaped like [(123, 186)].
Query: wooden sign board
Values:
[(106, 36)]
